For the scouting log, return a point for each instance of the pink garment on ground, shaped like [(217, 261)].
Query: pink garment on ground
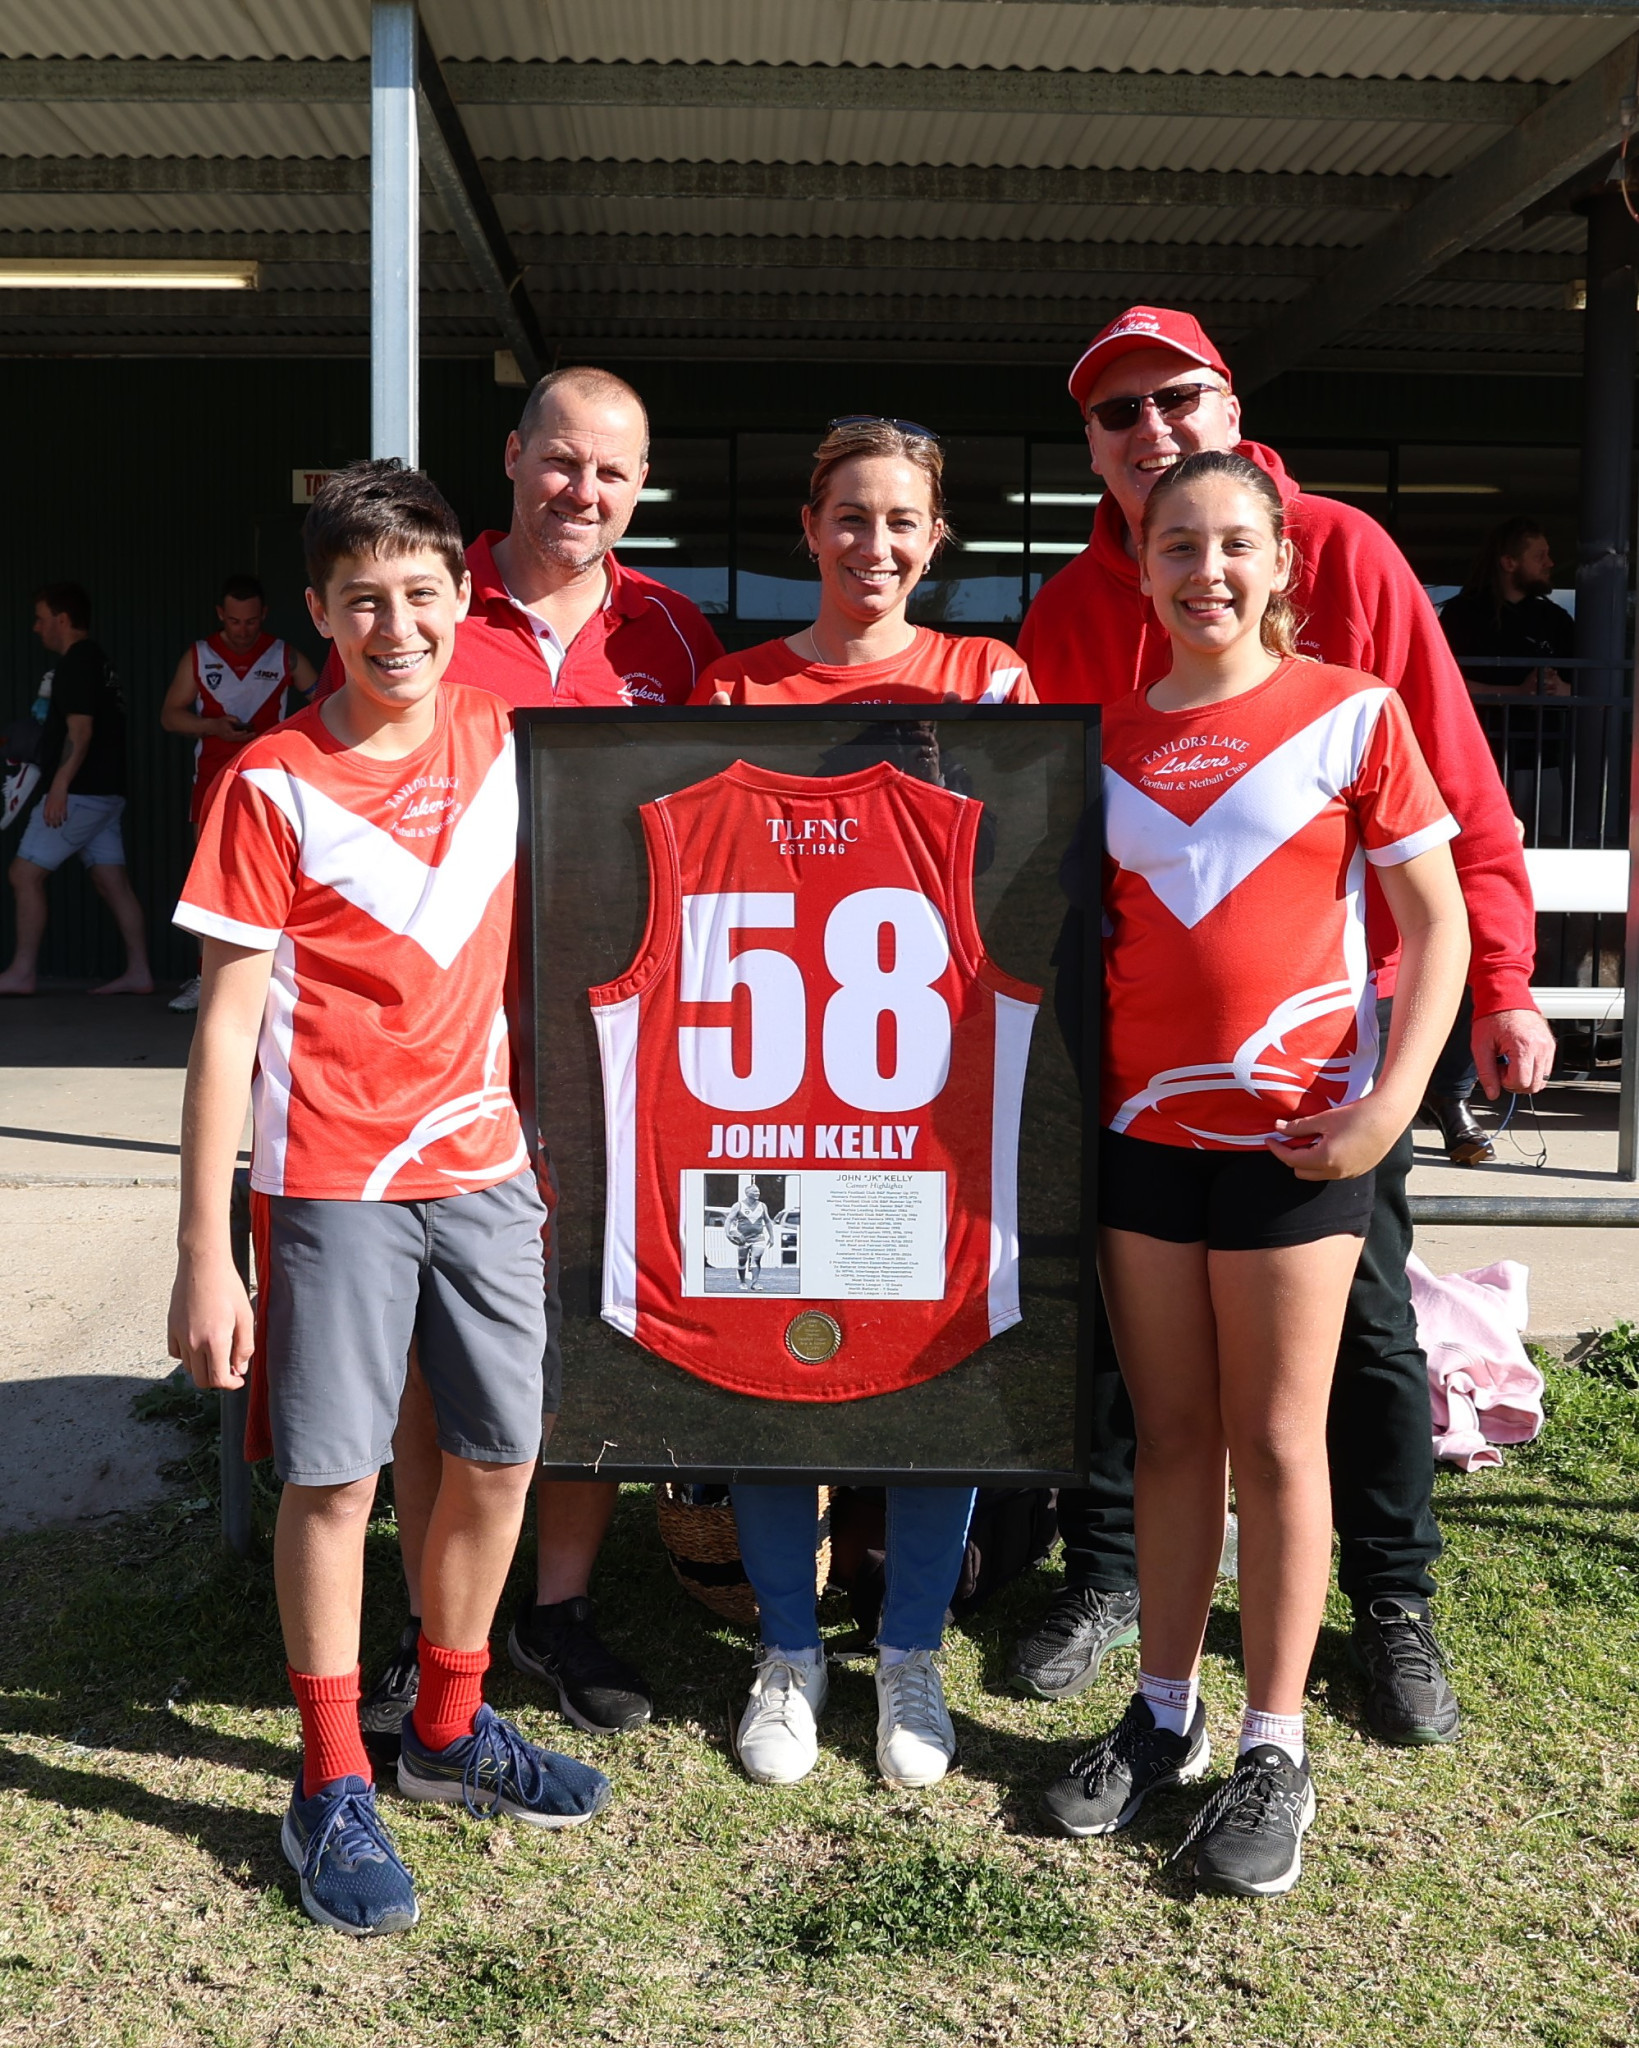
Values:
[(1482, 1387)]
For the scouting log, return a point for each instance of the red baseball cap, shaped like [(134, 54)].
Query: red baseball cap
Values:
[(1138, 328)]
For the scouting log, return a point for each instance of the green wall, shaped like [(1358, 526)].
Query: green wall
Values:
[(148, 481)]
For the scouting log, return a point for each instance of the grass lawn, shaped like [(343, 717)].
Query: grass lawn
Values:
[(1483, 1894)]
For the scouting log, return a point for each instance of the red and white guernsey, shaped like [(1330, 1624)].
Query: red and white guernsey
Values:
[(1238, 984), (248, 687), (384, 890), (812, 1028)]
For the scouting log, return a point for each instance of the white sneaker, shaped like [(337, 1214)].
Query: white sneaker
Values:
[(186, 997), (778, 1742), (915, 1742)]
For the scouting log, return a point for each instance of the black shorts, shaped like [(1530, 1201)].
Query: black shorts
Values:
[(1230, 1201)]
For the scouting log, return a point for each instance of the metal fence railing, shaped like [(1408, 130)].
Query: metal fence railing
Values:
[(1568, 760)]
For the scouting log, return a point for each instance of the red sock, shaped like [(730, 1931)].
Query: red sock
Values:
[(452, 1691), (332, 1747)]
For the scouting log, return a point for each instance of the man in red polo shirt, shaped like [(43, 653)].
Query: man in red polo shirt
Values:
[(555, 619), (1153, 389)]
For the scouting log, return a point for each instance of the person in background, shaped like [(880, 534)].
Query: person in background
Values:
[(226, 689), (556, 619), (1153, 389), (82, 752), (874, 520), (1506, 608)]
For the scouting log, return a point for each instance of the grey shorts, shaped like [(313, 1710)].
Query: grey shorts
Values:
[(350, 1283), (91, 830)]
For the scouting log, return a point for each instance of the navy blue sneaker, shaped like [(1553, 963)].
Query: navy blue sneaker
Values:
[(496, 1769), (351, 1875)]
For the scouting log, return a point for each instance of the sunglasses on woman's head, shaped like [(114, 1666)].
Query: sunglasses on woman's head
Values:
[(914, 428), (1172, 402)]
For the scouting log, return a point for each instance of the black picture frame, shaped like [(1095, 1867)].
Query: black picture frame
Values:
[(582, 901)]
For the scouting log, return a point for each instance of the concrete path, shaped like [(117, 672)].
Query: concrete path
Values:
[(90, 1099)]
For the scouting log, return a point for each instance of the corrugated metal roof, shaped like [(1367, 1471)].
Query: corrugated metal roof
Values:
[(1116, 142), (185, 28), (1511, 43), (117, 213), (1343, 228), (730, 301), (213, 129)]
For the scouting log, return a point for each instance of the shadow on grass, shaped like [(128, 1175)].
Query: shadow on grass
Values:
[(241, 1840)]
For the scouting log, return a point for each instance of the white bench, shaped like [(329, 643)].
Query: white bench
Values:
[(1579, 879)]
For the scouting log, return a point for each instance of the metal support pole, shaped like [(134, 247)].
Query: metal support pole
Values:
[(1627, 1109), (235, 1404), (395, 240), (1605, 505)]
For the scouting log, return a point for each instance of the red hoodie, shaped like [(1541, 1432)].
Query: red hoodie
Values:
[(1091, 636)]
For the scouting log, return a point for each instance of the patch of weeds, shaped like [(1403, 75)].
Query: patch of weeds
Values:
[(931, 1899), (1614, 1356), (177, 1400), (481, 1991)]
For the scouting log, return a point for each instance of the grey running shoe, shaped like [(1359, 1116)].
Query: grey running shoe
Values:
[(496, 1769), (1061, 1657), (1107, 1784), (1248, 1838), (186, 997), (1408, 1699)]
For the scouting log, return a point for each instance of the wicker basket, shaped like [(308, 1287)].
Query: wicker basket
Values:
[(703, 1544)]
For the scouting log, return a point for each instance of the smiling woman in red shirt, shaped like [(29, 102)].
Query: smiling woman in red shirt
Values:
[(874, 521)]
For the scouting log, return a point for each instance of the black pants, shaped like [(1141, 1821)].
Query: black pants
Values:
[(1379, 1430)]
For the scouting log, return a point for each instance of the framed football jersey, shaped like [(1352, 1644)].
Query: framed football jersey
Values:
[(803, 1002)]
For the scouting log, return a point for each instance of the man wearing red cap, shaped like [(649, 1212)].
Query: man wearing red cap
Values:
[(1153, 389)]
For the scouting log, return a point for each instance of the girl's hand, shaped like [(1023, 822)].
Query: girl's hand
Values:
[(1337, 1144)]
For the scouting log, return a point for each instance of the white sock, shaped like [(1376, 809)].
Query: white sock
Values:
[(1284, 1731), (1170, 1700), (885, 1656)]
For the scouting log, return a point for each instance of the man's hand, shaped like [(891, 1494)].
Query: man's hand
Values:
[(54, 808), (225, 729), (1513, 1049), (211, 1328)]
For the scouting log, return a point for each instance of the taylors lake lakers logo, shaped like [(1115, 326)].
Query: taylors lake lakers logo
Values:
[(813, 1337)]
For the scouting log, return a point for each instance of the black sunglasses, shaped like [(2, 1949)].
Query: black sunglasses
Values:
[(1172, 402), (914, 428)]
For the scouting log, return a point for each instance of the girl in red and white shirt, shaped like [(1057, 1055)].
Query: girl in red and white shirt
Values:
[(1245, 795)]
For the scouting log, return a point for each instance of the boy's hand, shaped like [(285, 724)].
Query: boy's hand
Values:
[(211, 1328), (1337, 1144)]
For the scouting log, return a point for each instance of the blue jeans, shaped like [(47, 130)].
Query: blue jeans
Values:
[(927, 1535)]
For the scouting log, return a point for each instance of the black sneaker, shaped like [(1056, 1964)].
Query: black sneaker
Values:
[(1107, 1784), (1407, 1697), (382, 1710), (1248, 1838), (1061, 1657), (597, 1690)]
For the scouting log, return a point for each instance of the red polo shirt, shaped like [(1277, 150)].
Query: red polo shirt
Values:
[(1091, 638), (646, 645)]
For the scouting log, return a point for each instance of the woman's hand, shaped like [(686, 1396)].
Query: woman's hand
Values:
[(1338, 1144)]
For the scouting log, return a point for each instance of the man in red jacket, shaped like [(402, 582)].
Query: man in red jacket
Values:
[(555, 619), (1153, 389)]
